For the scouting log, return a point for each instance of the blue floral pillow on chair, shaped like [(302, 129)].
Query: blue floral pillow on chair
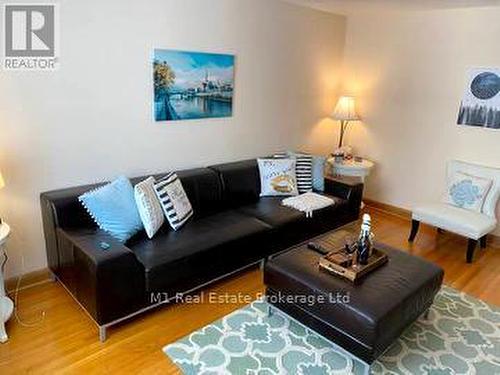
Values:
[(468, 192)]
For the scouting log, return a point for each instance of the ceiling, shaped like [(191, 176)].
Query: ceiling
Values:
[(350, 6)]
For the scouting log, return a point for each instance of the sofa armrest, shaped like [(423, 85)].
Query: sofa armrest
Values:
[(349, 189), (108, 283)]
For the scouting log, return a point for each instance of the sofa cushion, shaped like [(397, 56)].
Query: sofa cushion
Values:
[(203, 188), (270, 211), (240, 182), (178, 257), (291, 226)]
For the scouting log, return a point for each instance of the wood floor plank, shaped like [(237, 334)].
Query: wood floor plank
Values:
[(65, 339)]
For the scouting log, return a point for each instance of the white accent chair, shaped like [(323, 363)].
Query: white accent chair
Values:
[(473, 225)]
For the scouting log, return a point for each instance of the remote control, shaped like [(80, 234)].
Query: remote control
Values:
[(318, 248), (104, 245)]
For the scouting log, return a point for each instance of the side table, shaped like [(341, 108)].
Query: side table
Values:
[(6, 304), (351, 168)]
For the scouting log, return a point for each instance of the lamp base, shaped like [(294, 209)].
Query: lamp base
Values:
[(343, 151)]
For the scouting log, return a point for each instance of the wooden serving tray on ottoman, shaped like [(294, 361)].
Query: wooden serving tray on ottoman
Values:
[(353, 273)]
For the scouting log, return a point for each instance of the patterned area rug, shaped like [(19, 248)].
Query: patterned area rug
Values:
[(461, 336)]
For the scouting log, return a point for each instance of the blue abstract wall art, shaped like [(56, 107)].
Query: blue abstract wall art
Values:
[(192, 85), (481, 102)]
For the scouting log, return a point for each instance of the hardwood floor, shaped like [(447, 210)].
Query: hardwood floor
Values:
[(65, 340)]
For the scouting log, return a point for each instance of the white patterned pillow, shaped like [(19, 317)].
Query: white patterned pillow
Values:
[(149, 206), (174, 201), (277, 177), (467, 191), (303, 168)]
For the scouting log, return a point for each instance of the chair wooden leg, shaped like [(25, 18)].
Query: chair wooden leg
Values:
[(483, 241), (414, 230), (471, 246)]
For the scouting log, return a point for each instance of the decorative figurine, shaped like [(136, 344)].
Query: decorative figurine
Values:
[(365, 240)]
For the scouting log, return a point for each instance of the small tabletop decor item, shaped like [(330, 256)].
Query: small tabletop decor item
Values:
[(365, 244), (356, 258)]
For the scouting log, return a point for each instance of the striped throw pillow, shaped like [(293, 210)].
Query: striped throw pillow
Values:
[(303, 171), (174, 201)]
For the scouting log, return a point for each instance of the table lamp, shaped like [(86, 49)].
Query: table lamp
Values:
[(345, 111), (2, 184)]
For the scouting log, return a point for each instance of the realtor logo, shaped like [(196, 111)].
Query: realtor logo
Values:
[(30, 37)]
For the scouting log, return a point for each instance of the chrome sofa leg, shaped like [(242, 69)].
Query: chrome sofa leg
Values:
[(426, 313), (52, 276), (102, 333)]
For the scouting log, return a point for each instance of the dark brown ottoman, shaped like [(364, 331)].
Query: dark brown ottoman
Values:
[(364, 319)]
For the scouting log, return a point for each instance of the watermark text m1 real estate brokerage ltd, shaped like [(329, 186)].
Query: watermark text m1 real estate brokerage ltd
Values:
[(30, 36)]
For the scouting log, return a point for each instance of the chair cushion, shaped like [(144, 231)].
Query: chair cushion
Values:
[(194, 251), (454, 219)]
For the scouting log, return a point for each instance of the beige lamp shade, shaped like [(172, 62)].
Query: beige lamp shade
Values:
[(2, 182), (345, 110)]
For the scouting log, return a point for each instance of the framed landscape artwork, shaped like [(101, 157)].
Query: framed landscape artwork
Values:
[(481, 102), (192, 85)]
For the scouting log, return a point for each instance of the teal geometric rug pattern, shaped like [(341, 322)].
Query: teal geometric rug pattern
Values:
[(460, 336)]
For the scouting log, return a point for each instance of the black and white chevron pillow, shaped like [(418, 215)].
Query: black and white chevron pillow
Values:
[(174, 201)]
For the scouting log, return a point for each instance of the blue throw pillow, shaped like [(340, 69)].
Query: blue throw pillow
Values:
[(318, 171), (113, 208)]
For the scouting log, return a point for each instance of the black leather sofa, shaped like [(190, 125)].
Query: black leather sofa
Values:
[(232, 228)]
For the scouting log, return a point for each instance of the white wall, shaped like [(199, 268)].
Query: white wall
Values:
[(409, 72), (92, 120)]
